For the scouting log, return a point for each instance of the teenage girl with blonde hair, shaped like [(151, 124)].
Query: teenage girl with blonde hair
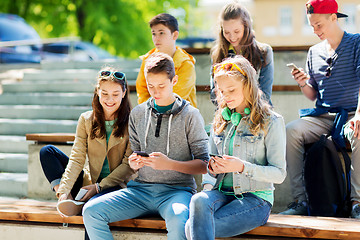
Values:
[(247, 144)]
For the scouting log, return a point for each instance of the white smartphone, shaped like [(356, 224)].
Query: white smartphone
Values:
[(292, 66), (81, 194)]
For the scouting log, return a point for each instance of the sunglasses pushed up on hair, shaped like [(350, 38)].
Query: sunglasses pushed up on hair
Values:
[(228, 67), (117, 75)]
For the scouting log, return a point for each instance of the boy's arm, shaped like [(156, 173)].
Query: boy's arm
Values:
[(355, 121), (187, 81), (160, 161), (198, 140), (141, 86), (192, 167)]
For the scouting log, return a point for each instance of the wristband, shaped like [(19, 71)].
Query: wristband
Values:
[(302, 85), (97, 187)]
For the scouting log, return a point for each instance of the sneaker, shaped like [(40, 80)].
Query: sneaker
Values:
[(355, 212), (69, 207), (296, 208)]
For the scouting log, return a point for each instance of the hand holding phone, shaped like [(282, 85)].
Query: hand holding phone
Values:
[(292, 66), (141, 153), (214, 155), (81, 194)]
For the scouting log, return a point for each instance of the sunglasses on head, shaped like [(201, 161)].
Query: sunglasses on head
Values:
[(117, 75), (228, 67), (329, 61)]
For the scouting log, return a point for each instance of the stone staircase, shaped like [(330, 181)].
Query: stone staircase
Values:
[(49, 99)]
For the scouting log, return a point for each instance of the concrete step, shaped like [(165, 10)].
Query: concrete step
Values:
[(76, 75), (48, 87), (72, 75), (13, 144), (55, 86), (13, 162), (58, 98), (118, 64), (42, 112), (13, 184), (23, 126)]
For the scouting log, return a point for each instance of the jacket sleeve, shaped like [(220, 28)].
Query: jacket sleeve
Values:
[(197, 137), (76, 160), (186, 81), (121, 174), (275, 170), (266, 77), (141, 86)]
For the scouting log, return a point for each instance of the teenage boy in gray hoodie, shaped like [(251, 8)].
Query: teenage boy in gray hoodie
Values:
[(172, 132)]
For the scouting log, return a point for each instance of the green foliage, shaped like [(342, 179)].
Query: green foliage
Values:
[(119, 26)]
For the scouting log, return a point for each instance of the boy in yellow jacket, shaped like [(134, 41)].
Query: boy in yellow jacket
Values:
[(165, 31)]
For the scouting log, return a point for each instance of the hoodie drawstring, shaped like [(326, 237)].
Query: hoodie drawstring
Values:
[(158, 125), (168, 140)]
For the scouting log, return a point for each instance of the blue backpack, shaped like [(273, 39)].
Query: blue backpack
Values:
[(327, 179)]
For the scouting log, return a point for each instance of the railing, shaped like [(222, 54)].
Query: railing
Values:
[(9, 47), (38, 41)]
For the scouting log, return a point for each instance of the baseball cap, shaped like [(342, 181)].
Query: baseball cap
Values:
[(323, 7)]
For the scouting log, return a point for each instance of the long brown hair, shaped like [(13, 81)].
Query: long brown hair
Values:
[(121, 115), (260, 109), (249, 47)]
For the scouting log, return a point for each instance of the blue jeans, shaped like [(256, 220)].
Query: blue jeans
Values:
[(139, 199), (214, 214)]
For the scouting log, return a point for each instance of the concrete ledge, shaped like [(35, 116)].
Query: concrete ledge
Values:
[(38, 185)]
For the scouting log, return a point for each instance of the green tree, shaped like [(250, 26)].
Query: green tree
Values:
[(119, 26)]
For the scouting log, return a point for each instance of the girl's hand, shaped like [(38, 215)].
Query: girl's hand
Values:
[(64, 196), (135, 161), (158, 161), (226, 164), (90, 193), (300, 76)]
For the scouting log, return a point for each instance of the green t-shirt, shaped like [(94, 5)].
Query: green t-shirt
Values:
[(162, 109), (109, 126)]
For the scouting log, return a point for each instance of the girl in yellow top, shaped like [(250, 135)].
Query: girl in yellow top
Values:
[(102, 136)]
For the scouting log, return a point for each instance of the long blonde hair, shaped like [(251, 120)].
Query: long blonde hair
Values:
[(249, 47), (260, 109)]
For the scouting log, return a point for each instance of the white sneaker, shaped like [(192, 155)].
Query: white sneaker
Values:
[(355, 213), (69, 207), (296, 208)]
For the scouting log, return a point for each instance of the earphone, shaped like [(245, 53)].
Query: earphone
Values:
[(234, 117)]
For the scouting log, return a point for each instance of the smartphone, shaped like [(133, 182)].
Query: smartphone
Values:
[(141, 153), (214, 155), (81, 194), (292, 66)]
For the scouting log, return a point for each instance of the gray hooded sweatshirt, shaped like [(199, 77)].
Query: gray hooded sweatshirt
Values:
[(178, 133)]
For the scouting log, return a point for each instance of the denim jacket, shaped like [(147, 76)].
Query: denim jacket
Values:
[(263, 155)]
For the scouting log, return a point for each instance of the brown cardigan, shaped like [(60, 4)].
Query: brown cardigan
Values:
[(117, 152)]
